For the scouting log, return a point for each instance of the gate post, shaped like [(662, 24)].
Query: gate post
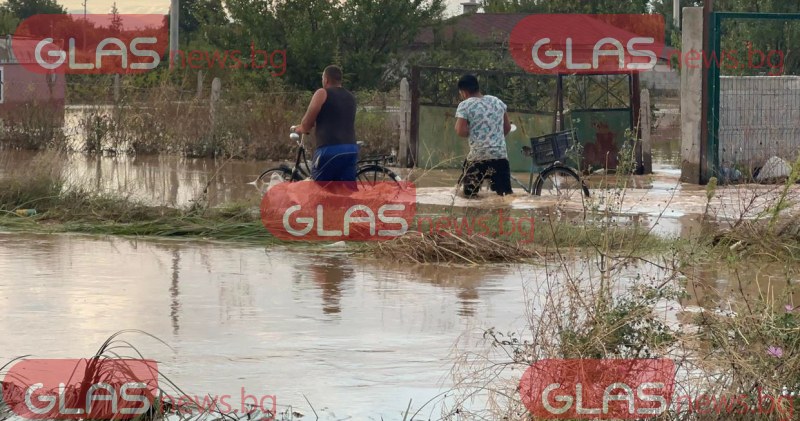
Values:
[(691, 95)]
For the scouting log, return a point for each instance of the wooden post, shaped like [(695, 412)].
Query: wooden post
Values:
[(414, 127), (116, 87), (405, 122), (636, 119), (216, 88), (647, 154), (200, 77), (174, 17)]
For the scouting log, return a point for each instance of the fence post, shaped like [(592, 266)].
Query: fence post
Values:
[(405, 122), (691, 96), (216, 88), (645, 127), (200, 77), (116, 87), (414, 117)]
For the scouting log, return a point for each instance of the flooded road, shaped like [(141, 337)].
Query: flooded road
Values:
[(358, 338), (177, 181), (352, 336)]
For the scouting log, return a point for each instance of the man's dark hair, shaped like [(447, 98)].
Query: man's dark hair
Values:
[(334, 73), (469, 83)]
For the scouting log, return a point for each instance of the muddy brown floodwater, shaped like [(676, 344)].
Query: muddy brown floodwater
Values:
[(357, 337)]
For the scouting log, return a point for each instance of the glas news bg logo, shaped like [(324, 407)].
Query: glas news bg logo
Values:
[(577, 43), (80, 388), (598, 389), (91, 44), (338, 211)]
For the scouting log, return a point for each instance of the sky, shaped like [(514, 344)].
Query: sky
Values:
[(162, 6)]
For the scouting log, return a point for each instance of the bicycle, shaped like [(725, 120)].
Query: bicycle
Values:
[(371, 170), (556, 178)]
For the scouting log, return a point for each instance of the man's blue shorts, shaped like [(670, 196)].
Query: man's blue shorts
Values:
[(335, 163)]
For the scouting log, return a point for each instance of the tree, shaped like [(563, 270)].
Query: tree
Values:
[(116, 20), (372, 30), (200, 17), (566, 6), (8, 21), (24, 9)]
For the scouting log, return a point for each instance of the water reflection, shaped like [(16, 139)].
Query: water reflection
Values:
[(174, 292), (330, 273), (357, 336), (322, 325)]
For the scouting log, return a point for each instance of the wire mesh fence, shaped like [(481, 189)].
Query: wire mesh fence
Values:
[(759, 90)]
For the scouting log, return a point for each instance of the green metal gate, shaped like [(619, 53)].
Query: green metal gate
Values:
[(531, 101), (600, 107), (753, 97)]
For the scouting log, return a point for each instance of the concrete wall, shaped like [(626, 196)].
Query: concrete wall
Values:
[(661, 79), (759, 118)]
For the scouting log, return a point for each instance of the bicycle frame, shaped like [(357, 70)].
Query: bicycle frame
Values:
[(534, 176), (301, 155)]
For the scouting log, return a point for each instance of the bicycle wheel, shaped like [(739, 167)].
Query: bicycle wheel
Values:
[(284, 172), (370, 175), (561, 182)]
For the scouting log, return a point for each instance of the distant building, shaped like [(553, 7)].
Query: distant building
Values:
[(20, 87)]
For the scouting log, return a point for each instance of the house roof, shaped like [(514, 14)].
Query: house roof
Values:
[(484, 26), (494, 28)]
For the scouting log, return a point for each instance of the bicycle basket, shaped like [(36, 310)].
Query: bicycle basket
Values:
[(551, 147)]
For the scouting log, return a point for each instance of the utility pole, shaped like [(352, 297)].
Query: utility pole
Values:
[(174, 12), (676, 13)]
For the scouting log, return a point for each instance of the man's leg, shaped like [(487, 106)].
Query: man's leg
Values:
[(474, 174), (335, 163), (501, 176)]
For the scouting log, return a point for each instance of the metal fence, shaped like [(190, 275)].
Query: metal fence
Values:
[(754, 91)]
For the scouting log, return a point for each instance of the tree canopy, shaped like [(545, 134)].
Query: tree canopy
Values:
[(369, 38), (23, 9)]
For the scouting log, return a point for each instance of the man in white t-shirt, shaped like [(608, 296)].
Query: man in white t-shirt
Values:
[(484, 120)]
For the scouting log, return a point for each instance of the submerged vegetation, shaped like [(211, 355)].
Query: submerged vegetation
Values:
[(62, 207)]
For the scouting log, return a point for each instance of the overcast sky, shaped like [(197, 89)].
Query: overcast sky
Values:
[(162, 6)]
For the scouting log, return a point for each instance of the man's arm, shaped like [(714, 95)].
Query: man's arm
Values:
[(506, 125), (311, 113), (462, 127)]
